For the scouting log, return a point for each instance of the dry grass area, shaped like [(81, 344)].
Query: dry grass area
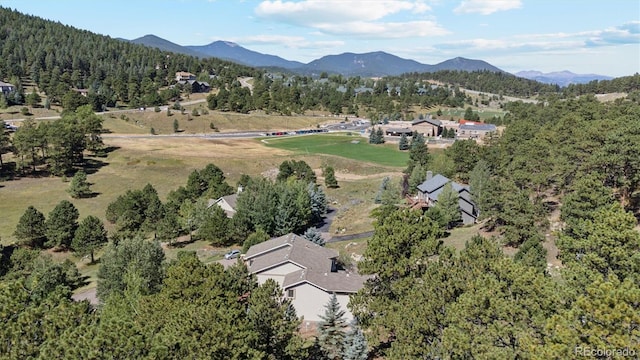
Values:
[(143, 121), (166, 162)]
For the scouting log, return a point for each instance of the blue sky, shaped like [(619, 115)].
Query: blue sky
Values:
[(582, 36)]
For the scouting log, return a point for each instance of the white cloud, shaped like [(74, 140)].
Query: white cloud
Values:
[(291, 42), (486, 7), (362, 18), (550, 42), (312, 11)]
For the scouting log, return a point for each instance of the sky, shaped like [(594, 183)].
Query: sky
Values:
[(582, 36)]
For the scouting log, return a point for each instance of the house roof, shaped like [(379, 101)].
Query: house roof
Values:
[(433, 184), (478, 127), (430, 121), (289, 248), (433, 187), (2, 83), (232, 199), (338, 282)]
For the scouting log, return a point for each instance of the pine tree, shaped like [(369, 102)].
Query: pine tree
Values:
[(331, 329), (61, 225), (176, 126), (372, 136), (318, 202), (31, 227), (379, 136), (404, 142), (89, 236), (355, 343), (417, 177), (330, 177), (313, 235), (79, 187), (448, 203)]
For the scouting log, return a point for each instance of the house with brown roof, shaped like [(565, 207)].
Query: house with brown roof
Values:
[(308, 273)]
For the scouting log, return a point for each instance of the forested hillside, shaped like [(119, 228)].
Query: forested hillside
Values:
[(58, 58)]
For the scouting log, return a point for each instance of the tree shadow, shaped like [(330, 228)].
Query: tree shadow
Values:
[(91, 166), (104, 152)]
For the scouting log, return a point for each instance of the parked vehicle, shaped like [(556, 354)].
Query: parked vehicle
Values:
[(232, 254)]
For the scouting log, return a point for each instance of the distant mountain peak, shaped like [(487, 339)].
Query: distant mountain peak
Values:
[(561, 78), (230, 44)]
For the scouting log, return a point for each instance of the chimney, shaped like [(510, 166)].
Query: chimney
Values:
[(429, 174), (240, 188)]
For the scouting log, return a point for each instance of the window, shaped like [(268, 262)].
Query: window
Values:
[(291, 293)]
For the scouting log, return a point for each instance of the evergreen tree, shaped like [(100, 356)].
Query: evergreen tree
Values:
[(417, 177), (330, 177), (168, 228), (318, 202), (79, 187), (61, 225), (89, 237), (372, 136), (5, 141), (379, 136), (479, 185), (215, 227), (31, 228), (255, 238), (176, 125), (355, 344), (331, 329), (418, 153), (404, 142), (383, 186), (448, 203), (313, 235), (130, 256)]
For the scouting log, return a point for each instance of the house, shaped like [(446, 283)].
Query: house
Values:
[(195, 86), (307, 273), (6, 88), (431, 188), (475, 130), (184, 76), (227, 203), (427, 126), (398, 131)]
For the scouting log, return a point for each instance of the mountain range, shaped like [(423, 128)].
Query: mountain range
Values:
[(562, 78), (370, 64)]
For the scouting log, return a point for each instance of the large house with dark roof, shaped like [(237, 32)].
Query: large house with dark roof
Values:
[(308, 273), (431, 188)]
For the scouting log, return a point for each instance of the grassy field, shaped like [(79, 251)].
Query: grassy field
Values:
[(353, 147)]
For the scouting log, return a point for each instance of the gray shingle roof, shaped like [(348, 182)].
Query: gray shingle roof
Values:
[(289, 248), (478, 127), (433, 184), (338, 282)]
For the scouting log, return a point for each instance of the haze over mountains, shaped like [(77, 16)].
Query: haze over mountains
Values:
[(350, 64)]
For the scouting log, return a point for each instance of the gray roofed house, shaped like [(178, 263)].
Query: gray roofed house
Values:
[(6, 88), (431, 188), (227, 203), (306, 272), (475, 131)]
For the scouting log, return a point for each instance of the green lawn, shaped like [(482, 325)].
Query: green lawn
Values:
[(353, 147)]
